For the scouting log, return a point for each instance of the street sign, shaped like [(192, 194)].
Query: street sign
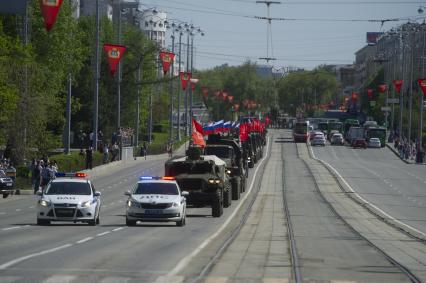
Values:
[(393, 100), (385, 109)]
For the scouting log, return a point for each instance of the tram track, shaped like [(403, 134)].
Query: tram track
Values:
[(412, 277)]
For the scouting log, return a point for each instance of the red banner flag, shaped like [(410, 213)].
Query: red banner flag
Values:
[(194, 82), (49, 10), (230, 98), (382, 88), (422, 83), (370, 93), (397, 84), (243, 132), (198, 126), (167, 59), (184, 78), (114, 53), (354, 96), (224, 95), (205, 91)]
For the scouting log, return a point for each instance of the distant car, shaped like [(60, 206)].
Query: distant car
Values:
[(374, 142), (156, 199), (318, 140), (313, 134), (70, 197), (359, 143), (337, 139)]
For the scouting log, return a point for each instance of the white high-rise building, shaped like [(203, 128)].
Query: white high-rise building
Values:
[(153, 23)]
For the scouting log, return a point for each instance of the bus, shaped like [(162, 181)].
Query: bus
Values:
[(376, 132), (301, 131), (323, 127), (348, 124), (334, 127)]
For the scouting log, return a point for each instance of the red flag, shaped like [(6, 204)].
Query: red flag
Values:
[(167, 59), (243, 132), (397, 84), (184, 78), (194, 82), (49, 10), (382, 88), (114, 53), (422, 83), (198, 126), (224, 95), (354, 96), (230, 98), (205, 91)]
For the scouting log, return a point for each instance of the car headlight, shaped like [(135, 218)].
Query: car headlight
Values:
[(175, 204), (228, 172), (44, 202), (217, 181), (211, 181), (132, 203), (248, 158), (86, 204)]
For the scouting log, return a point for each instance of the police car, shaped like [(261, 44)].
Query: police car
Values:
[(69, 197), (156, 199)]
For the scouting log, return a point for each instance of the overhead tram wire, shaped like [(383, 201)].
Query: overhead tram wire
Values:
[(268, 31)]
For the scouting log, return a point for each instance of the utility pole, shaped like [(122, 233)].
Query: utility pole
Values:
[(187, 89), (179, 89), (171, 88), (413, 34), (268, 31), (138, 103), (68, 110), (96, 78), (119, 70)]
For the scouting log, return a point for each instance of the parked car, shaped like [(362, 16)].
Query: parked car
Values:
[(337, 138), (359, 143), (374, 142)]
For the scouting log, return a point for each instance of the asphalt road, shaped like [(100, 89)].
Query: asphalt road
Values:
[(110, 252), (380, 177)]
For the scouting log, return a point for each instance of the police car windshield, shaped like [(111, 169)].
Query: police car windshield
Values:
[(68, 188), (156, 189)]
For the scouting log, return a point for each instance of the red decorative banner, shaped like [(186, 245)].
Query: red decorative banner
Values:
[(194, 82), (205, 91), (114, 53), (167, 59), (224, 95), (49, 10), (354, 97), (243, 132), (422, 83), (382, 88), (198, 126), (397, 84), (184, 78), (370, 93), (197, 137), (230, 98)]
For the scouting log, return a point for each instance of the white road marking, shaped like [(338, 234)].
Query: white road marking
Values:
[(104, 233), (60, 279), (11, 228), (2, 213), (20, 259), (365, 201), (32, 207), (84, 240), (167, 279), (18, 209), (275, 280), (9, 279), (216, 279), (117, 229), (184, 261)]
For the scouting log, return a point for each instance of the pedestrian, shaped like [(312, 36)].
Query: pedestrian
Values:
[(170, 149), (91, 138), (46, 175), (144, 150), (37, 176), (106, 153), (89, 158), (81, 137), (32, 169)]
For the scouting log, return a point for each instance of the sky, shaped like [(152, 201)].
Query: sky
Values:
[(307, 33)]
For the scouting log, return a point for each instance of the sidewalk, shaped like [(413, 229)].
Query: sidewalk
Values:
[(407, 161)]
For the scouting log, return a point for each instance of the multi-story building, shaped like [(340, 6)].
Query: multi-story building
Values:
[(88, 8), (154, 24), (365, 65)]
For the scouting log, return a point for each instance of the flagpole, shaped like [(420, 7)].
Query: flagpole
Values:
[(96, 77)]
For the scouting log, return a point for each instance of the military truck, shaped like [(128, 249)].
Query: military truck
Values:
[(229, 150), (204, 177)]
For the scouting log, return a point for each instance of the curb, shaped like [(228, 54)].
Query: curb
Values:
[(374, 210)]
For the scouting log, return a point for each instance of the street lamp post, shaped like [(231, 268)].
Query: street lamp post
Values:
[(191, 114), (179, 92), (96, 78)]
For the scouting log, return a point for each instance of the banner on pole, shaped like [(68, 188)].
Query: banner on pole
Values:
[(205, 91), (166, 59), (194, 82), (370, 93), (49, 10), (184, 78), (422, 83), (382, 88), (114, 53), (397, 84)]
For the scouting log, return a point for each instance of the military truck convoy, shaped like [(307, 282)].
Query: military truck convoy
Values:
[(217, 174)]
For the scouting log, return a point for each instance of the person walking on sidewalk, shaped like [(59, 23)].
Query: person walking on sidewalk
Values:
[(89, 158)]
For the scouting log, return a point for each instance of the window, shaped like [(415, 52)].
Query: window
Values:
[(68, 188), (156, 189)]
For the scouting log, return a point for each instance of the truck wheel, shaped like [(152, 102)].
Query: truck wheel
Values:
[(5, 195), (217, 208), (43, 222), (236, 189), (251, 164)]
